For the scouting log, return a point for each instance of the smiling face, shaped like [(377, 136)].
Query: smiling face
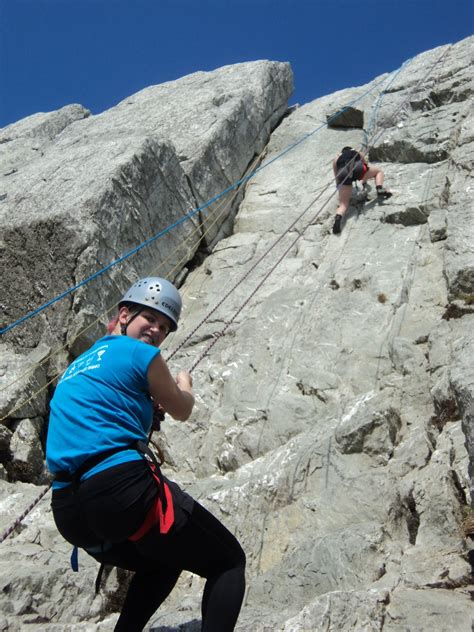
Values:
[(148, 326)]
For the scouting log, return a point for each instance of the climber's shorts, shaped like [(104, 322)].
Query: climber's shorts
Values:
[(348, 174)]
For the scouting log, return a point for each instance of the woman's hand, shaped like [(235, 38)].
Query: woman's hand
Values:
[(184, 381)]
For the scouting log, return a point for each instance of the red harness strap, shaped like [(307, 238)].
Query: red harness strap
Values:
[(155, 516)]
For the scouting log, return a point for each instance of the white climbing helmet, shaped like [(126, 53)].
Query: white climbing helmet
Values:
[(158, 294)]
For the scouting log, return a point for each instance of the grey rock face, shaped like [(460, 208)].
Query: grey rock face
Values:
[(369, 430), (348, 610), (20, 376), (26, 141), (459, 267), (103, 184), (27, 455), (333, 426), (437, 224), (462, 384)]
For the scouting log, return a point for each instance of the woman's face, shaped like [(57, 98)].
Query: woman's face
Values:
[(149, 326)]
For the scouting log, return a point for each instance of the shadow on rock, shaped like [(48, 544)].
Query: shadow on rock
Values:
[(190, 626), (359, 206)]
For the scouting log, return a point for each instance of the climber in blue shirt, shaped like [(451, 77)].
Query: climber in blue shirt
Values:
[(109, 495)]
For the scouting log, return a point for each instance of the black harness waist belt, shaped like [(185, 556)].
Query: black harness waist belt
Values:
[(140, 446), (75, 477)]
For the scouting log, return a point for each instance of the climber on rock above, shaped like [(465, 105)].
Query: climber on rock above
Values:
[(109, 496), (351, 166)]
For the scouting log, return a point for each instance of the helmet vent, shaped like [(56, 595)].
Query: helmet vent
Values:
[(159, 293)]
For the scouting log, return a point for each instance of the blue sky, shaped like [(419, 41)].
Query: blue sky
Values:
[(97, 52)]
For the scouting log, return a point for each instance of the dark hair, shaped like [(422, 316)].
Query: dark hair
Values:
[(133, 308), (346, 149)]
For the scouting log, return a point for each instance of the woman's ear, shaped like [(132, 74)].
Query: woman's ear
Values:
[(124, 315)]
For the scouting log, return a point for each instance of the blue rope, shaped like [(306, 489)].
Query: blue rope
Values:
[(378, 102), (183, 219)]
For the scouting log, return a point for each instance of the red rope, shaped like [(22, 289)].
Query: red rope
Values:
[(20, 519)]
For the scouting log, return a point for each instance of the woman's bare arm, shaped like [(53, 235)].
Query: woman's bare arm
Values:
[(175, 396)]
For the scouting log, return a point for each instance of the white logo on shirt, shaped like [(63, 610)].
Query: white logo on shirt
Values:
[(86, 362)]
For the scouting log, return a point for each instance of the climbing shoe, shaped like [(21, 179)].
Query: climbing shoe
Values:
[(336, 229), (383, 194)]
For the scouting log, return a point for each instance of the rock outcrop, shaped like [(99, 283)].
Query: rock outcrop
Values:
[(79, 191), (333, 431)]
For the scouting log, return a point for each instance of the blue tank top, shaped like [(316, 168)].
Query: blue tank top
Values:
[(101, 402)]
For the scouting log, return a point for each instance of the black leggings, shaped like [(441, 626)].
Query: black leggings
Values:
[(110, 506)]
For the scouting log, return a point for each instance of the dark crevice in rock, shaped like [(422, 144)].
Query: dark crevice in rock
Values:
[(410, 216), (452, 584), (412, 517), (5, 460), (357, 284), (205, 246), (394, 89), (424, 105), (428, 455), (458, 488), (310, 390), (37, 619), (465, 170), (445, 194), (202, 250), (289, 111), (273, 126), (454, 310), (386, 602), (436, 99), (445, 411), (199, 257), (405, 153)]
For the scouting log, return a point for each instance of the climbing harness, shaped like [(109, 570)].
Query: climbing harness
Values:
[(160, 514)]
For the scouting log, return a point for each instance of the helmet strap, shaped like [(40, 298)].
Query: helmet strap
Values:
[(123, 326)]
